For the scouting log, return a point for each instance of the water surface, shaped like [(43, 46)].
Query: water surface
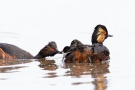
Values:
[(48, 73)]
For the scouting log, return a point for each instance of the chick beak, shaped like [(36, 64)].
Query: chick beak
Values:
[(60, 52)]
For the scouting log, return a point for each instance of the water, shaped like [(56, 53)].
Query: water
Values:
[(32, 24), (48, 73)]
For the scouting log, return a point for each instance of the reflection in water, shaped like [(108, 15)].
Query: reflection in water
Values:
[(47, 64), (79, 70), (5, 62), (11, 62), (50, 66), (100, 81), (96, 70), (8, 69)]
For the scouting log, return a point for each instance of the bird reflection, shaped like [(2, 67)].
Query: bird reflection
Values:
[(100, 81), (78, 70), (7, 62), (95, 70), (47, 64)]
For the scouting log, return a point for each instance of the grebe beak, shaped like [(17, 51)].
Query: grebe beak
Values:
[(60, 52), (110, 35)]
